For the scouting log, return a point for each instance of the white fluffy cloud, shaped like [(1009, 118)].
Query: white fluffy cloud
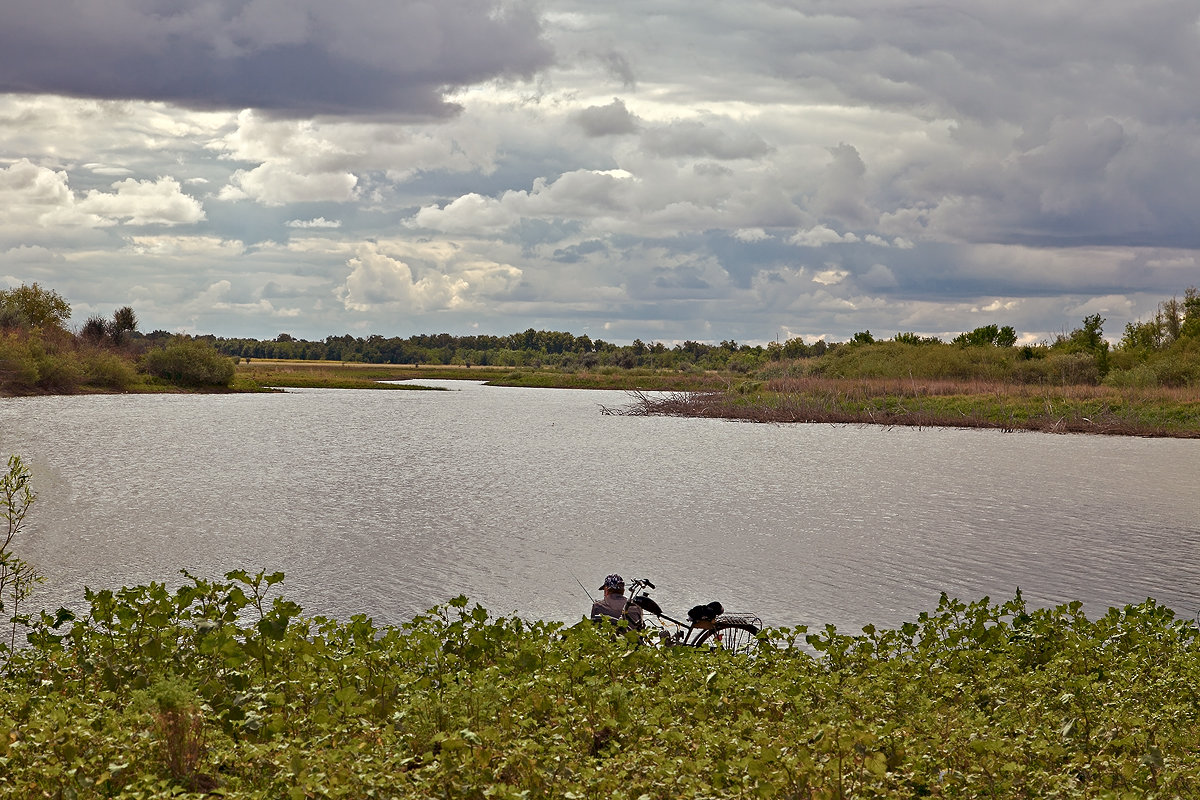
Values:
[(38, 196), (319, 222), (159, 202), (378, 281), (29, 193), (821, 235), (278, 185)]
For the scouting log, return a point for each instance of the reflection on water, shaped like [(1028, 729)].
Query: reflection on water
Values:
[(386, 503)]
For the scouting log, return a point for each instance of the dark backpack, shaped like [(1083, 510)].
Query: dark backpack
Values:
[(706, 613)]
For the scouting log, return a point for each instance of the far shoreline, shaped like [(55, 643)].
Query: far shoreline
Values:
[(1069, 408)]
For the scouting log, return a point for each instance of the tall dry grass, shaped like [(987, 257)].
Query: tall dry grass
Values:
[(865, 388), (941, 403)]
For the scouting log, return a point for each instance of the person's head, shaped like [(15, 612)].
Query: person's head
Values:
[(613, 584)]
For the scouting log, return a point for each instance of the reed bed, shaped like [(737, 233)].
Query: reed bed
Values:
[(939, 403)]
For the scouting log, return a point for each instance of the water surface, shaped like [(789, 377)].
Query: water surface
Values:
[(386, 503)]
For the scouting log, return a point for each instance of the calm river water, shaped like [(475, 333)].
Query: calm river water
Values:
[(387, 503)]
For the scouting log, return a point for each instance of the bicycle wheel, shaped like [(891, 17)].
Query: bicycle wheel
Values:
[(736, 637)]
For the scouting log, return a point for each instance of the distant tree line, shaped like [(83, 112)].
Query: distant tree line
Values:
[(39, 353), (531, 348), (1161, 351)]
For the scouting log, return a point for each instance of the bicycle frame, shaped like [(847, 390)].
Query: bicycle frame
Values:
[(692, 633)]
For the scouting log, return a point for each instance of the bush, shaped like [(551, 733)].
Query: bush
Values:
[(929, 361), (58, 373), (18, 369), (104, 370), (1175, 370), (29, 365), (1139, 376), (1058, 368), (186, 362)]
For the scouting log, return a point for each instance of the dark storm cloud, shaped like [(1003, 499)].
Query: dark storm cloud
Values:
[(296, 57), (696, 138), (619, 67), (610, 120), (743, 261), (1013, 61), (687, 278), (576, 253)]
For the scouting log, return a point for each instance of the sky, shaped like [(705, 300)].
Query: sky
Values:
[(665, 170)]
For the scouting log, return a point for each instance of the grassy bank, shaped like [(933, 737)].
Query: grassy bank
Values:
[(944, 403), (333, 374), (222, 687), (629, 380), (321, 375), (1064, 408)]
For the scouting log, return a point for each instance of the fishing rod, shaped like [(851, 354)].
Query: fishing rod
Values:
[(581, 586)]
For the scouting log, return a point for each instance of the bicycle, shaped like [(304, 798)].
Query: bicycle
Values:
[(707, 625)]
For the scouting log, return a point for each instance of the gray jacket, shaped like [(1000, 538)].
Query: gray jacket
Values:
[(611, 606)]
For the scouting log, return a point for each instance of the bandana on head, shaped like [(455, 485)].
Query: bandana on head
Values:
[(614, 581)]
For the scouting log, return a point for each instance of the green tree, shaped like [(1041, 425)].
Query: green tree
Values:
[(1170, 318), (95, 329), (1090, 335), (1087, 338), (862, 337), (913, 338), (1190, 329), (988, 336), (795, 348), (1143, 336), (123, 323), (32, 306)]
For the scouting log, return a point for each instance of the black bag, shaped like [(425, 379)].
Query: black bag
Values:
[(706, 613)]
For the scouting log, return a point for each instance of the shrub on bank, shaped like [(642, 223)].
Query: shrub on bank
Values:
[(1059, 369), (924, 361), (18, 369), (1177, 370), (29, 363), (1139, 376), (187, 362), (106, 370)]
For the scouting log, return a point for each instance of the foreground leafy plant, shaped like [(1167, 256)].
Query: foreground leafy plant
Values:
[(17, 576), (223, 686)]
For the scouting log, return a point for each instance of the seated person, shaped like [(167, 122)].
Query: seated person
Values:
[(613, 604)]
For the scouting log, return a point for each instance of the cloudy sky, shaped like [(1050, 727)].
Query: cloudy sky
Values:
[(659, 169)]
